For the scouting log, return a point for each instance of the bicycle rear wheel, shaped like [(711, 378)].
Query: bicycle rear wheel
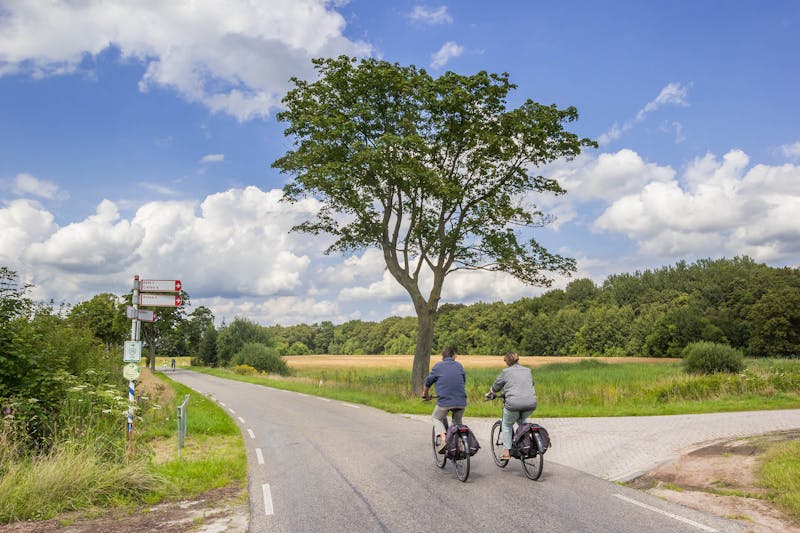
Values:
[(439, 458), (496, 440), (532, 466), (462, 460)]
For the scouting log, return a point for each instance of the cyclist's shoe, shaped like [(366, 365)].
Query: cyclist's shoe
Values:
[(505, 456), (440, 445)]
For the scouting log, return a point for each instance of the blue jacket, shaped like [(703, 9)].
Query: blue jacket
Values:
[(449, 377)]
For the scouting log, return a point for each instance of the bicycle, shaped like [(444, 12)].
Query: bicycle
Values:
[(532, 462), (461, 459)]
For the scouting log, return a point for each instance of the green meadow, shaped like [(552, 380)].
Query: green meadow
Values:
[(590, 387)]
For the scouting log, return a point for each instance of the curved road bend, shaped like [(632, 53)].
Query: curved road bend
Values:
[(325, 465)]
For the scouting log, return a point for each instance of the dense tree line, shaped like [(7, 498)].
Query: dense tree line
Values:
[(654, 313), (739, 302)]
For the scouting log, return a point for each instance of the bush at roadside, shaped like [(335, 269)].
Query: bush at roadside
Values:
[(262, 358), (710, 357)]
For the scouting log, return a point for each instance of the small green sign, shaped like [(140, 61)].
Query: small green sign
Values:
[(133, 352), (131, 371)]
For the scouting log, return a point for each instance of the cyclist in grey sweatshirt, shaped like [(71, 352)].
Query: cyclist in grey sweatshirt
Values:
[(516, 382)]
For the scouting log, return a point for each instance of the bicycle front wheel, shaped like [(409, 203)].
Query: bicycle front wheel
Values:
[(462, 459), (439, 458), (496, 439)]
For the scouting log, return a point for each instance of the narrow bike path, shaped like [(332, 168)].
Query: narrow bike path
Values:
[(324, 465)]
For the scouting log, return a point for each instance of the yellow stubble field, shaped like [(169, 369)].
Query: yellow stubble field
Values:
[(469, 361)]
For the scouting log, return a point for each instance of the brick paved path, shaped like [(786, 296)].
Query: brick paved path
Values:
[(622, 448)]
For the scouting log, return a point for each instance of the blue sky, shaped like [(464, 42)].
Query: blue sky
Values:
[(137, 139)]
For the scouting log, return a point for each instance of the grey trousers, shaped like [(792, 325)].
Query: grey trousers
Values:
[(440, 414)]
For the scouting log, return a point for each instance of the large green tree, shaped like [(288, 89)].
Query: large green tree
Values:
[(102, 316), (438, 173)]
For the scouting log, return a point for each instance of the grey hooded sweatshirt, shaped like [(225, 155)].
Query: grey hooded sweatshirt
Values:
[(516, 382)]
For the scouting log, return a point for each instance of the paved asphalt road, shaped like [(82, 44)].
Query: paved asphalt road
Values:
[(324, 465)]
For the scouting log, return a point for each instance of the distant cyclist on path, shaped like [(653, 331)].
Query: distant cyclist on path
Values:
[(449, 378)]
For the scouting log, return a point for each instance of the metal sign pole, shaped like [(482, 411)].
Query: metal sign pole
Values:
[(132, 382)]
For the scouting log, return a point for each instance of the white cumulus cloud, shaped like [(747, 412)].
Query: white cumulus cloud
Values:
[(426, 15), (100, 244), (212, 158), (234, 57), (719, 207), (27, 185), (791, 151), (448, 51)]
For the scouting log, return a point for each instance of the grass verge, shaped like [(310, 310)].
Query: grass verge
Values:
[(780, 474), (213, 455)]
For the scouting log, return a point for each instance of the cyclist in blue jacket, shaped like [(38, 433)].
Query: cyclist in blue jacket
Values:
[(449, 377)]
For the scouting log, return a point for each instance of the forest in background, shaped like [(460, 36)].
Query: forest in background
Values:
[(653, 313)]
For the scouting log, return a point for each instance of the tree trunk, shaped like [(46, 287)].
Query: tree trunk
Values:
[(152, 360), (422, 355)]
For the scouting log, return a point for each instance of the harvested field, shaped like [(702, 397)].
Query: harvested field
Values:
[(469, 361)]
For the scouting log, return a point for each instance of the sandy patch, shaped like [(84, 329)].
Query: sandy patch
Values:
[(721, 479)]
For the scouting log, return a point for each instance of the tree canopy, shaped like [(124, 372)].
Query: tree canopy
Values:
[(438, 173)]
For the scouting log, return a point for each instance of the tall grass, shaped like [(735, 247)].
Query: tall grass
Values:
[(87, 464), (780, 473), (587, 388), (70, 476)]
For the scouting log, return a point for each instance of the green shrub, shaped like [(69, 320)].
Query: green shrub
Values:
[(262, 358), (298, 348), (705, 357)]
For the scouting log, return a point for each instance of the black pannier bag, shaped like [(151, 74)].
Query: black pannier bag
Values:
[(454, 435), (524, 439)]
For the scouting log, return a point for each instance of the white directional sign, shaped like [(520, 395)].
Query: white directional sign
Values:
[(133, 352), (145, 315), (160, 300), (131, 371), (160, 285)]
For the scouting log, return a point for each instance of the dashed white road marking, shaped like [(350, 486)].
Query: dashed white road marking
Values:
[(323, 399), (665, 513), (259, 456), (222, 404), (252, 435), (241, 419), (231, 410), (351, 405), (268, 510)]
